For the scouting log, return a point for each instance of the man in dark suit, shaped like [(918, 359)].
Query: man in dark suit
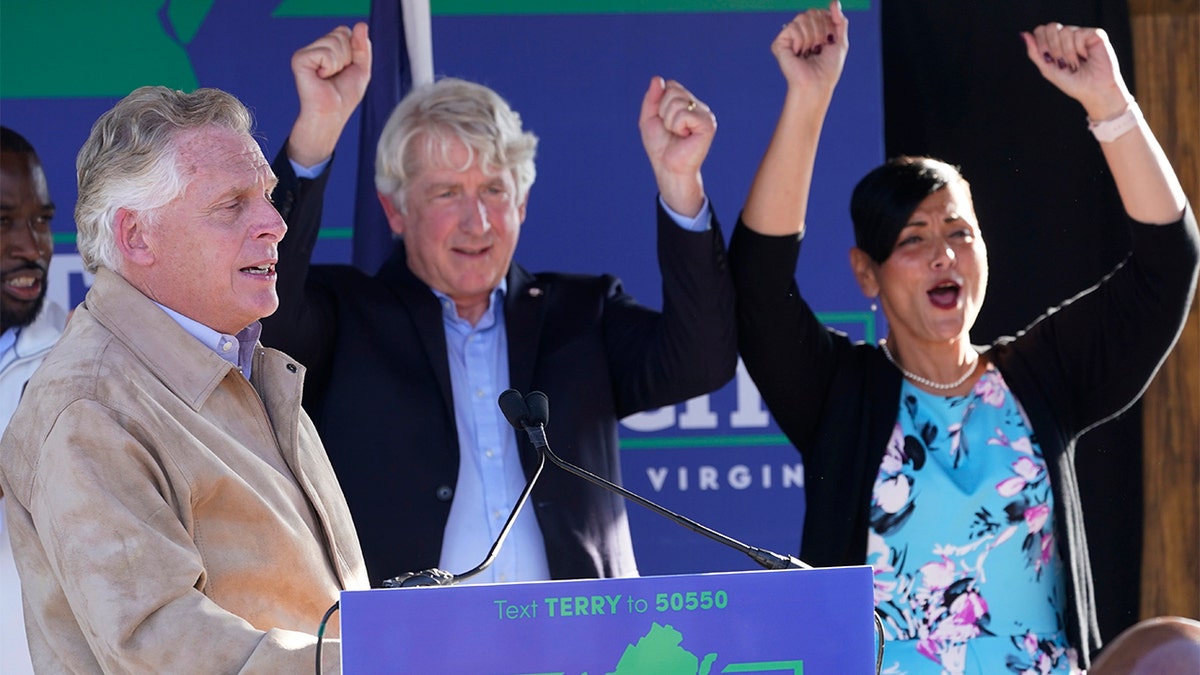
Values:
[(405, 367)]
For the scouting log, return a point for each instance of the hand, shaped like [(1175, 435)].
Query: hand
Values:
[(331, 77), (1081, 63), (811, 50), (677, 131)]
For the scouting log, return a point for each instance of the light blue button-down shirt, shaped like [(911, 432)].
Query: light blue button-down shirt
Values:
[(490, 476)]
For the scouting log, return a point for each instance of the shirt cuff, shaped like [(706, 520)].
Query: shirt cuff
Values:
[(701, 223), (309, 171)]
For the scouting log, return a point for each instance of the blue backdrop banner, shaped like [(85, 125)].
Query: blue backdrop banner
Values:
[(577, 78)]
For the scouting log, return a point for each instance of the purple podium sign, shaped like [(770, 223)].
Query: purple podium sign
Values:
[(781, 621)]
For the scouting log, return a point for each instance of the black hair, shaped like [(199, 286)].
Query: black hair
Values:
[(11, 141), (886, 197)]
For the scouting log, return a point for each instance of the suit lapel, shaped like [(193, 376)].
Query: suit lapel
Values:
[(426, 314), (524, 316)]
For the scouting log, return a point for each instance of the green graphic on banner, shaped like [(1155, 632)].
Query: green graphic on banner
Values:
[(317, 8), (186, 17), (796, 667), (96, 49), (659, 651), (723, 441), (111, 48)]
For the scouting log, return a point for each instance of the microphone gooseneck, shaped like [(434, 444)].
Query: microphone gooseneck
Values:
[(515, 411), (532, 419)]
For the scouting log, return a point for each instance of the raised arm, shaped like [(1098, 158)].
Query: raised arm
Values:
[(811, 50), (1081, 63), (677, 132), (331, 77)]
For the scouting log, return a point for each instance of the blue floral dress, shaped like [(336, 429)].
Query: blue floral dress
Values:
[(967, 573)]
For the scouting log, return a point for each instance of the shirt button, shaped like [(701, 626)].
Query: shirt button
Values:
[(226, 346), (489, 453), (444, 493)]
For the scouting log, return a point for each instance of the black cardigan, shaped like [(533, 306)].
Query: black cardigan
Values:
[(1078, 365)]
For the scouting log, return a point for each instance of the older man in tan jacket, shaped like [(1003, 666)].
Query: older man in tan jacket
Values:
[(172, 508)]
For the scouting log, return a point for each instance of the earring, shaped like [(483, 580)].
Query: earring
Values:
[(872, 323)]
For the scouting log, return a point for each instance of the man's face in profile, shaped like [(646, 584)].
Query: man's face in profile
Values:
[(26, 243), (213, 249)]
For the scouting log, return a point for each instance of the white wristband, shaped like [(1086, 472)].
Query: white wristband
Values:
[(1109, 130)]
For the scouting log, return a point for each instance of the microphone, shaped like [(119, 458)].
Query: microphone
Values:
[(532, 413), (438, 577)]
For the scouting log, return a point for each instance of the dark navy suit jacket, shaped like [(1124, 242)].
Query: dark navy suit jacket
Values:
[(378, 384)]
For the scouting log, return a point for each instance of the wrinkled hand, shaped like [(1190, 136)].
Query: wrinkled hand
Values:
[(811, 49), (1081, 63), (331, 77), (677, 132)]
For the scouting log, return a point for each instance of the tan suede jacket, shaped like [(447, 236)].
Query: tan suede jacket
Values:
[(167, 515)]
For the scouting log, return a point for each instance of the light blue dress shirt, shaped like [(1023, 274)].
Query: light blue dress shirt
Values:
[(490, 476)]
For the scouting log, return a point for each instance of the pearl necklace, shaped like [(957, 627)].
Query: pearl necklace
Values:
[(922, 380)]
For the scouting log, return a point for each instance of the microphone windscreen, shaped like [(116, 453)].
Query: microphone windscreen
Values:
[(539, 408), (515, 410)]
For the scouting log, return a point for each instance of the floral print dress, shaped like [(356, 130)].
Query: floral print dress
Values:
[(967, 574)]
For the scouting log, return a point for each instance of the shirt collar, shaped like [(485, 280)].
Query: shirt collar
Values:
[(8, 343), (450, 309), (238, 349), (9, 338)]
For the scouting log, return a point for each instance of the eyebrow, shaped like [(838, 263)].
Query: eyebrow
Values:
[(238, 189), (440, 186)]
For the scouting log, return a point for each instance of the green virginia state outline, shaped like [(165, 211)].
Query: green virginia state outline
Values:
[(660, 651)]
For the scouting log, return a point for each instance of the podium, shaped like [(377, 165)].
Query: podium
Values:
[(785, 622)]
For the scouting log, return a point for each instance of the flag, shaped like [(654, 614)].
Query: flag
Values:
[(391, 79)]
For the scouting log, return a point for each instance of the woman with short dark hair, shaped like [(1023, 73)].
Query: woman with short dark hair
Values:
[(948, 466)]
